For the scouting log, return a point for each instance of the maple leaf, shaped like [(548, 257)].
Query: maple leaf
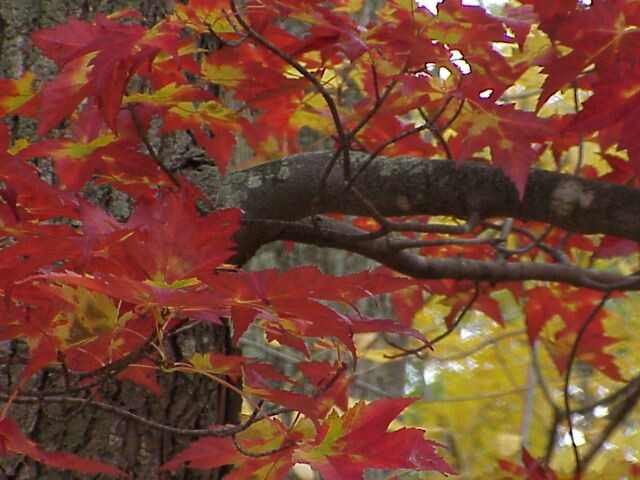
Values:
[(474, 33), (211, 124), (30, 196), (509, 134), (315, 405), (331, 32), (605, 34), (184, 107), (207, 452), (552, 13), (18, 96), (349, 443), (14, 441), (406, 303), (28, 254), (215, 452), (532, 469), (88, 315), (573, 306), (93, 150), (218, 363), (615, 102), (362, 324), (205, 16), (288, 301), (63, 94), (106, 55), (174, 243), (611, 247)]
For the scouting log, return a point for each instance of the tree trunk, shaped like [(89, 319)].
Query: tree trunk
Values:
[(186, 402), (55, 423)]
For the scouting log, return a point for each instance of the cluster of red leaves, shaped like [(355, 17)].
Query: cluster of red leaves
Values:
[(93, 292), (90, 290)]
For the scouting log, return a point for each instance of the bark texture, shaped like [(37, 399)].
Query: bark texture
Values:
[(54, 422), (289, 189), (281, 192)]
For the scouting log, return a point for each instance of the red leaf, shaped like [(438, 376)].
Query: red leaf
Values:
[(104, 54), (362, 324), (211, 452), (18, 96), (615, 101), (256, 382), (509, 133), (573, 306), (406, 303), (359, 439), (533, 469), (289, 303), (207, 452), (611, 247), (62, 94), (600, 35), (172, 242)]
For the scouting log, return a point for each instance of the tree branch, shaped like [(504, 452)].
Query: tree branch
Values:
[(287, 190)]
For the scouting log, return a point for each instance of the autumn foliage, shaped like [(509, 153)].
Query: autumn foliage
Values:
[(542, 84)]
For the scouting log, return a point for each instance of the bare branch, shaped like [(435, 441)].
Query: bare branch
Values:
[(331, 233), (285, 190)]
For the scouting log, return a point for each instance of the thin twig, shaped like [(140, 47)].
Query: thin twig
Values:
[(333, 109), (416, 351), (372, 156), (121, 412), (619, 413), (285, 446), (437, 133), (118, 365), (398, 245), (537, 241), (152, 152), (567, 378)]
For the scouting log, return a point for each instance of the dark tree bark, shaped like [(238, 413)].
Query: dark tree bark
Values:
[(55, 422)]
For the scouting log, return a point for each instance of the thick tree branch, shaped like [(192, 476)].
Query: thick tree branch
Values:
[(285, 190)]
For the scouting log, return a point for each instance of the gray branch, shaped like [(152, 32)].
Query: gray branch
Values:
[(288, 190)]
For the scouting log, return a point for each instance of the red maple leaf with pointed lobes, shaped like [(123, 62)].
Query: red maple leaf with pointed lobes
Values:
[(328, 387), (462, 296), (100, 57), (615, 103), (27, 194), (348, 444), (605, 35), (19, 97), (552, 13), (531, 468), (573, 306), (288, 303), (211, 452), (92, 152), (205, 16), (155, 258), (342, 446), (509, 134)]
